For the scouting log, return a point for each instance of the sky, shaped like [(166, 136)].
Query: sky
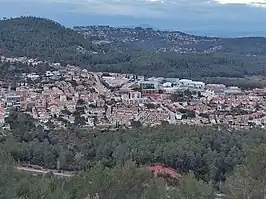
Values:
[(202, 17)]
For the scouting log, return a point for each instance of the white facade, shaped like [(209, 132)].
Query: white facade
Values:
[(192, 84), (33, 76), (178, 116), (167, 84), (134, 95), (133, 98), (48, 74), (233, 90), (172, 80)]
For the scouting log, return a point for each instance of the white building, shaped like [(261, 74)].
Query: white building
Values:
[(133, 97), (167, 84), (192, 84), (48, 74), (232, 90), (172, 80), (33, 76), (178, 116), (149, 84), (217, 89)]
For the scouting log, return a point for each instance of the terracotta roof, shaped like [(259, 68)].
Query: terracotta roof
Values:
[(162, 169)]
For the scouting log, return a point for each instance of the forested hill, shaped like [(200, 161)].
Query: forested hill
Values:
[(176, 41), (133, 50), (37, 37)]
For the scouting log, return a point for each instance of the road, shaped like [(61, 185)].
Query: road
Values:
[(99, 86), (36, 171)]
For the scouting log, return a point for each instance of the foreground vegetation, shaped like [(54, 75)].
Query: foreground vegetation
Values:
[(210, 160), (120, 182)]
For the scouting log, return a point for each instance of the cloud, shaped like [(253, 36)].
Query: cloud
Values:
[(163, 8), (149, 8), (247, 2), (208, 15)]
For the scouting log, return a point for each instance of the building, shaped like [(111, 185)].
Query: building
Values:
[(33, 76), (167, 85), (133, 97), (172, 80), (217, 89), (12, 99), (233, 90), (157, 79), (178, 115), (150, 92), (192, 84), (149, 84), (49, 74), (140, 78)]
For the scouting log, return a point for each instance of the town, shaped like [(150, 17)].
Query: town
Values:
[(101, 112), (70, 95), (160, 41)]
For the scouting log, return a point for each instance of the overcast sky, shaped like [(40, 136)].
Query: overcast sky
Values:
[(212, 17)]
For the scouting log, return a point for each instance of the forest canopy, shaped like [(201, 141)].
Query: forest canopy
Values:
[(210, 160)]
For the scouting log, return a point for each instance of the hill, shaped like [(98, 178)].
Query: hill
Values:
[(175, 41), (133, 50), (40, 38)]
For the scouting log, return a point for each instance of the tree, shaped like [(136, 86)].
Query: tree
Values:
[(191, 188), (250, 181), (256, 164), (7, 175), (80, 120), (20, 123), (136, 124), (240, 185), (46, 187), (117, 183)]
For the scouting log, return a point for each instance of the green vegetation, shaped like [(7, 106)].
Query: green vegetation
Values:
[(121, 182), (110, 163), (210, 153), (9, 71), (47, 40), (209, 159), (39, 38)]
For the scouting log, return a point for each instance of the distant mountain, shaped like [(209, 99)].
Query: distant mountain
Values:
[(173, 41), (227, 33), (135, 26), (136, 50), (145, 26)]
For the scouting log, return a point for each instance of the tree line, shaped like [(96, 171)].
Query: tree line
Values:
[(214, 156), (110, 164)]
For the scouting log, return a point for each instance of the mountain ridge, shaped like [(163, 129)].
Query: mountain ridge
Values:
[(140, 51), (185, 32), (177, 41)]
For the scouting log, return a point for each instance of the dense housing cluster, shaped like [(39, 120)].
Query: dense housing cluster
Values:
[(70, 95)]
